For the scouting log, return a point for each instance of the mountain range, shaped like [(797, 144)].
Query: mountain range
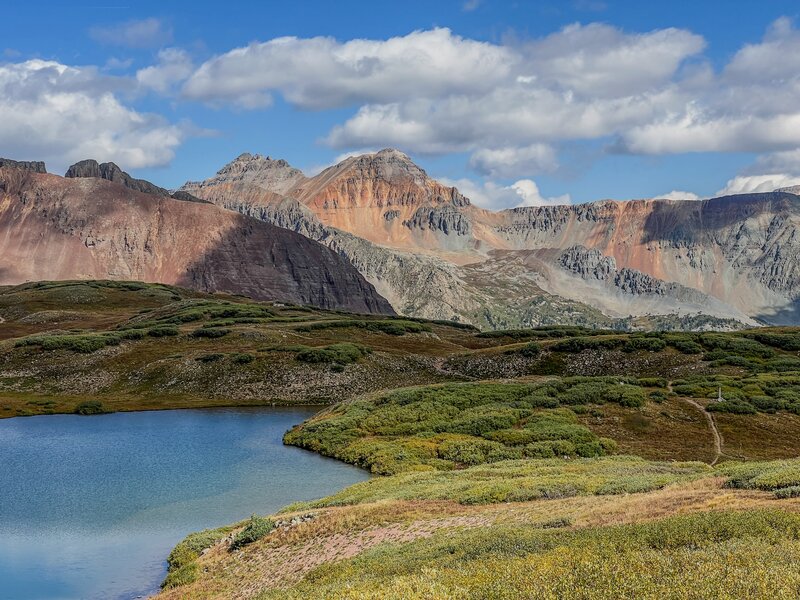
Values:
[(375, 233)]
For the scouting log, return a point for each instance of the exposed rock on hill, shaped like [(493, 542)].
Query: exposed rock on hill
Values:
[(736, 257), (111, 172), (57, 228), (37, 166)]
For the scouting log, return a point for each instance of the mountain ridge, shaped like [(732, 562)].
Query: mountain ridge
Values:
[(738, 252)]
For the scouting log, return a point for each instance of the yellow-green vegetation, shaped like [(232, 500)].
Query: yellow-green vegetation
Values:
[(589, 528), (750, 554), (454, 425), (256, 528), (520, 481), (182, 567), (389, 326)]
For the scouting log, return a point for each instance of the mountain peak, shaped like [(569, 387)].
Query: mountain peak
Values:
[(254, 162)]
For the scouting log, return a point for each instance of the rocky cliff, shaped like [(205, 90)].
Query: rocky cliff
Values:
[(111, 172), (735, 257), (36, 166), (93, 228)]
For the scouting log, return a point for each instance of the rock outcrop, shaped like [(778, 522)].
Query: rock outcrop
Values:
[(91, 228), (111, 172), (36, 166)]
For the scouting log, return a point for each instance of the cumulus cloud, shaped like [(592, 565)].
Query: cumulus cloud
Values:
[(495, 196), (62, 114), (677, 195), (322, 72), (530, 195), (600, 60), (142, 33), (512, 161), (748, 184), (173, 66), (512, 105)]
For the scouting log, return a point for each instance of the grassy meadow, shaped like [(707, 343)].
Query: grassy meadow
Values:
[(542, 463)]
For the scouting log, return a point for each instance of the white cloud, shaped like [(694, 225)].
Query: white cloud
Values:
[(321, 72), (748, 184), (775, 59), (470, 5), (174, 65), (584, 82), (600, 60), (513, 161), (62, 114), (495, 196), (777, 162), (143, 33), (529, 193), (677, 195), (511, 105)]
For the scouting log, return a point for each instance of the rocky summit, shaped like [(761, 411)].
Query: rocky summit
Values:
[(724, 262)]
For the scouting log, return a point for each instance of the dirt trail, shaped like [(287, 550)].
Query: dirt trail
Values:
[(711, 423)]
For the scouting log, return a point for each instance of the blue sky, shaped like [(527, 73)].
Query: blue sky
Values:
[(514, 102)]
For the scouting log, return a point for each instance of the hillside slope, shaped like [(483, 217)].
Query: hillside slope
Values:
[(90, 228)]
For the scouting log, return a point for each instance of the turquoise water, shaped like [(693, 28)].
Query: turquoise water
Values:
[(91, 506)]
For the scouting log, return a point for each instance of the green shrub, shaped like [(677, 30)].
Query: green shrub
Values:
[(243, 358), (163, 331), (529, 350), (737, 407), (343, 354), (83, 343), (210, 332), (734, 345), (133, 334), (514, 334), (684, 343), (388, 326), (784, 341), (767, 476), (788, 492), (767, 404), (90, 407), (579, 344), (453, 425), (646, 344), (256, 528), (209, 358), (657, 382)]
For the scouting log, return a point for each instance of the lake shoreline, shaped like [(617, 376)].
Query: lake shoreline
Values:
[(155, 477)]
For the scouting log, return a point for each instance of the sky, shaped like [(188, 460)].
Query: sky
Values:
[(515, 103)]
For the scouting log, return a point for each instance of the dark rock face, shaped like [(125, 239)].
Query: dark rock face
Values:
[(440, 218), (111, 172), (187, 197), (592, 264), (268, 262), (37, 166), (589, 264)]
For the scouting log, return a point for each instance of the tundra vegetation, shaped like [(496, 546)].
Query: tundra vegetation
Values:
[(549, 462)]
